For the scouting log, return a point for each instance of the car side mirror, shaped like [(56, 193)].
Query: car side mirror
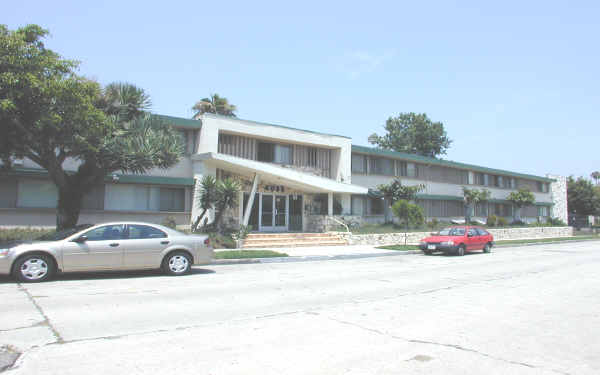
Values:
[(80, 239)]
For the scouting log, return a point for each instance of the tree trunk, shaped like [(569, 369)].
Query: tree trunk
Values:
[(468, 214), (69, 206)]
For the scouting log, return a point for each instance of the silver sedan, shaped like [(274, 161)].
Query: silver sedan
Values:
[(108, 246)]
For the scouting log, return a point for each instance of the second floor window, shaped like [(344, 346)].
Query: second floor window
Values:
[(273, 153)]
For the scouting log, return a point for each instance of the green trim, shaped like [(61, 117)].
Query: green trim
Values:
[(123, 178), (446, 163), (275, 125), (180, 122), (439, 197)]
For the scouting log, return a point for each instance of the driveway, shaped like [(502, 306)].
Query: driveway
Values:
[(527, 310)]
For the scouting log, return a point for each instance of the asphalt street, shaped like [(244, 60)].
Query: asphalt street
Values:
[(526, 310)]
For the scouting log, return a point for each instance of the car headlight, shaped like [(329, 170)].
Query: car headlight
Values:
[(448, 243), (4, 252)]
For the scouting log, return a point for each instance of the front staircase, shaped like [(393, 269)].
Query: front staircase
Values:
[(270, 240)]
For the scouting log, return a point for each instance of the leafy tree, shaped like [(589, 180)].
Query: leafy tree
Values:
[(520, 199), (395, 191), (226, 197), (48, 114), (408, 213), (582, 198), (206, 199), (470, 198), (215, 104), (413, 133)]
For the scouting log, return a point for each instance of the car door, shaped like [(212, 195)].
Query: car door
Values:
[(484, 236), (100, 250), (144, 246), (472, 239)]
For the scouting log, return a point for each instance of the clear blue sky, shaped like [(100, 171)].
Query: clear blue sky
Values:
[(516, 84)]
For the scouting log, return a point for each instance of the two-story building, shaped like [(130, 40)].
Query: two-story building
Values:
[(292, 180)]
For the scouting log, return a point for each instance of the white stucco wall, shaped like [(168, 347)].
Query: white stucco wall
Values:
[(558, 191), (342, 146), (440, 188)]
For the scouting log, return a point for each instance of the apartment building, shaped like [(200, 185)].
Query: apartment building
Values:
[(292, 180)]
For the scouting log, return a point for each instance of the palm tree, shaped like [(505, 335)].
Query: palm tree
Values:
[(596, 176), (125, 100), (215, 104), (206, 199), (226, 197), (470, 198)]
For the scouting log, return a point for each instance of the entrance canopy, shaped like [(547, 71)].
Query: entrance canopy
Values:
[(278, 175)]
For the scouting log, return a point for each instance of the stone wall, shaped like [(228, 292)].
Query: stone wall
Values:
[(559, 197), (413, 238)]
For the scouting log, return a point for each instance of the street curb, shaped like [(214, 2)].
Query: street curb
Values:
[(314, 258), (311, 258)]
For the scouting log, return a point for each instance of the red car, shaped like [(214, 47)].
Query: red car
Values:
[(458, 240)]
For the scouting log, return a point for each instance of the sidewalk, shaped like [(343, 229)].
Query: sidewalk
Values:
[(313, 253)]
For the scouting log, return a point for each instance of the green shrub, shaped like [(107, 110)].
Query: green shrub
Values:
[(502, 222), (433, 223), (221, 241), (492, 220), (169, 222), (18, 234), (555, 222), (518, 223), (408, 213)]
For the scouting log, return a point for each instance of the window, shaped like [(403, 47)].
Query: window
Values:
[(125, 197), (482, 232), (172, 199), (375, 206), (94, 199), (144, 231), (106, 232), (359, 163), (272, 153), (311, 157), (473, 232), (402, 171), (481, 209), (412, 170), (319, 204), (266, 152), (37, 193), (8, 193), (283, 154), (479, 179), (358, 205), (542, 211), (381, 166)]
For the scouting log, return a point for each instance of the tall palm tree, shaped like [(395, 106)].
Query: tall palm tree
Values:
[(596, 176), (215, 104), (126, 101)]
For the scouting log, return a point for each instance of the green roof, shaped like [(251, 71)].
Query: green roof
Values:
[(180, 122), (122, 178), (442, 162), (267, 124)]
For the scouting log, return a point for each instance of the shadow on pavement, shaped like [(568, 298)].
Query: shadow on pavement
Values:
[(111, 275)]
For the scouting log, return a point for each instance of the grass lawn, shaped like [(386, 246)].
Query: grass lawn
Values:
[(244, 254), (399, 247), (542, 240)]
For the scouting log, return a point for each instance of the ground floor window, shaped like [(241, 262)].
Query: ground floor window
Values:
[(125, 197)]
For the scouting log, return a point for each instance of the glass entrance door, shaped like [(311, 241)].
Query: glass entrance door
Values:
[(273, 212)]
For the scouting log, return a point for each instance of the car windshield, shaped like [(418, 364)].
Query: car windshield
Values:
[(62, 234), (452, 232)]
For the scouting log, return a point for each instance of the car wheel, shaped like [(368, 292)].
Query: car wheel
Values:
[(487, 248), (177, 263), (461, 250), (34, 268)]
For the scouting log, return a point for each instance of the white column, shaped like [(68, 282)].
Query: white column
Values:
[(346, 204), (330, 204), (200, 169), (251, 200)]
